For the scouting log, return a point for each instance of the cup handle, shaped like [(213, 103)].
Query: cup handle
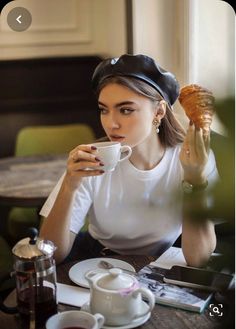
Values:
[(125, 148), (150, 298), (100, 319)]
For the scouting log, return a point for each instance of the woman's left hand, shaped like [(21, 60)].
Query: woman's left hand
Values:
[(194, 155)]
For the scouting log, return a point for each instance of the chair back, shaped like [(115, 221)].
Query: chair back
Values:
[(58, 139)]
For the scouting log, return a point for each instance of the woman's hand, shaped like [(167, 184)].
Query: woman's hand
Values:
[(194, 155), (80, 159)]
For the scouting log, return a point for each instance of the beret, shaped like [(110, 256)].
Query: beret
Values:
[(141, 67)]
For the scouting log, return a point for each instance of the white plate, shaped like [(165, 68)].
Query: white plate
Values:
[(135, 323), (77, 271)]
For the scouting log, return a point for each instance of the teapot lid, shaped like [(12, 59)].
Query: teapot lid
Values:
[(116, 280), (33, 247)]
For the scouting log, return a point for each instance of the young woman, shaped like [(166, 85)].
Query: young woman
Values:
[(138, 207)]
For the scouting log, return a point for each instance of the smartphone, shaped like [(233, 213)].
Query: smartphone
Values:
[(198, 278)]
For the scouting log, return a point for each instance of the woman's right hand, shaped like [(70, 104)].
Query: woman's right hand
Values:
[(80, 159)]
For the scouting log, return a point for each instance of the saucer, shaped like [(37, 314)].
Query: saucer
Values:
[(77, 271), (135, 323)]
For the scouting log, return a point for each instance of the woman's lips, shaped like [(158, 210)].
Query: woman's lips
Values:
[(116, 138)]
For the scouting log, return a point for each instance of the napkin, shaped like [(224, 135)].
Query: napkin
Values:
[(172, 256), (72, 295)]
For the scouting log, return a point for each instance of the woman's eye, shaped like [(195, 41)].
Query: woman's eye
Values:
[(126, 111), (102, 110)]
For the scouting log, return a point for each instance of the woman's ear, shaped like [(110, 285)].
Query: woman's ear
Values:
[(160, 110)]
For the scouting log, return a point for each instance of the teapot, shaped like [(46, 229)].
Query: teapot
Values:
[(35, 275), (118, 297)]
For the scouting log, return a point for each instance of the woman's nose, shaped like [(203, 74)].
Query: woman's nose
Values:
[(112, 122)]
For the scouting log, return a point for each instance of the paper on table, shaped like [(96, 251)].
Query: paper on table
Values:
[(72, 295), (172, 256)]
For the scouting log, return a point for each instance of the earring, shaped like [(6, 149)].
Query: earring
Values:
[(156, 123)]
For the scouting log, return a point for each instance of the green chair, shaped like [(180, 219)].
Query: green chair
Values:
[(52, 139), (38, 140)]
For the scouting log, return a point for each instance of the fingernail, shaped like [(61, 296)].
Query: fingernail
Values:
[(101, 164), (93, 147), (101, 171), (97, 159), (190, 122)]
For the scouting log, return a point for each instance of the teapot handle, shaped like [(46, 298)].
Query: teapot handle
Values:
[(149, 296)]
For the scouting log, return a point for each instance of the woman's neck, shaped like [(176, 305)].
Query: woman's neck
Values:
[(148, 154)]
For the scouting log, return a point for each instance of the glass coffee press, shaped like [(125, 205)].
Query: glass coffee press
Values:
[(35, 274)]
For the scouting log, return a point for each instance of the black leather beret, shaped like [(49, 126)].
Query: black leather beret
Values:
[(141, 67)]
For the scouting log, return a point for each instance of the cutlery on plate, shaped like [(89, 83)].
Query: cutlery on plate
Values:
[(107, 266)]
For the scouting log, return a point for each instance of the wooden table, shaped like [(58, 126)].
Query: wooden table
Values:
[(162, 317), (27, 181)]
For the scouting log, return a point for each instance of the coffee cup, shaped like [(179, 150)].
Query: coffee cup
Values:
[(110, 154), (75, 320)]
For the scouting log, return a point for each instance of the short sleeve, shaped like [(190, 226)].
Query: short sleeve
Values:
[(45, 210), (81, 204)]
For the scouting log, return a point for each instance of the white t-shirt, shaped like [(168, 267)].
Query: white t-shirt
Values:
[(133, 211)]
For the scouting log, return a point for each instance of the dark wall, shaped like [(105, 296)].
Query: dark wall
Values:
[(45, 91)]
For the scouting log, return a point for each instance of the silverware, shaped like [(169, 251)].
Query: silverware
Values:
[(107, 266), (154, 276)]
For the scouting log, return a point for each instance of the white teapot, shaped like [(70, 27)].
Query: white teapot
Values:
[(118, 297)]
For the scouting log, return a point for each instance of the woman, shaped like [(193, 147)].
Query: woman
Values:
[(134, 209)]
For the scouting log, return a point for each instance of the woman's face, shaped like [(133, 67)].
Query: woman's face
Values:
[(126, 116)]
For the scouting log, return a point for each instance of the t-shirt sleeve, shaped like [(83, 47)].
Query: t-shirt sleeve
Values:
[(45, 210), (81, 204)]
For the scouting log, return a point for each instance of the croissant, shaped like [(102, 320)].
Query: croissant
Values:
[(198, 104)]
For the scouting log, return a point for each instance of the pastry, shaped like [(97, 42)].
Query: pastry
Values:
[(198, 104)]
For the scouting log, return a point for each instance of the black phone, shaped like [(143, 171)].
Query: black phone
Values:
[(198, 278)]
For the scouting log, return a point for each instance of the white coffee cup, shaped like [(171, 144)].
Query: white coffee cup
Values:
[(110, 154), (80, 319)]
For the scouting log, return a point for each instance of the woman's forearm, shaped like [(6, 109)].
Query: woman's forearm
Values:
[(56, 227), (198, 232), (198, 241)]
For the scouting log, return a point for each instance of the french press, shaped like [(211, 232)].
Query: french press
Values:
[(35, 273)]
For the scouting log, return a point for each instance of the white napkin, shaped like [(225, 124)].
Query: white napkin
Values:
[(172, 256), (72, 295)]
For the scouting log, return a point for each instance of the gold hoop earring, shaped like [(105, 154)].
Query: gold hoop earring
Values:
[(156, 123)]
